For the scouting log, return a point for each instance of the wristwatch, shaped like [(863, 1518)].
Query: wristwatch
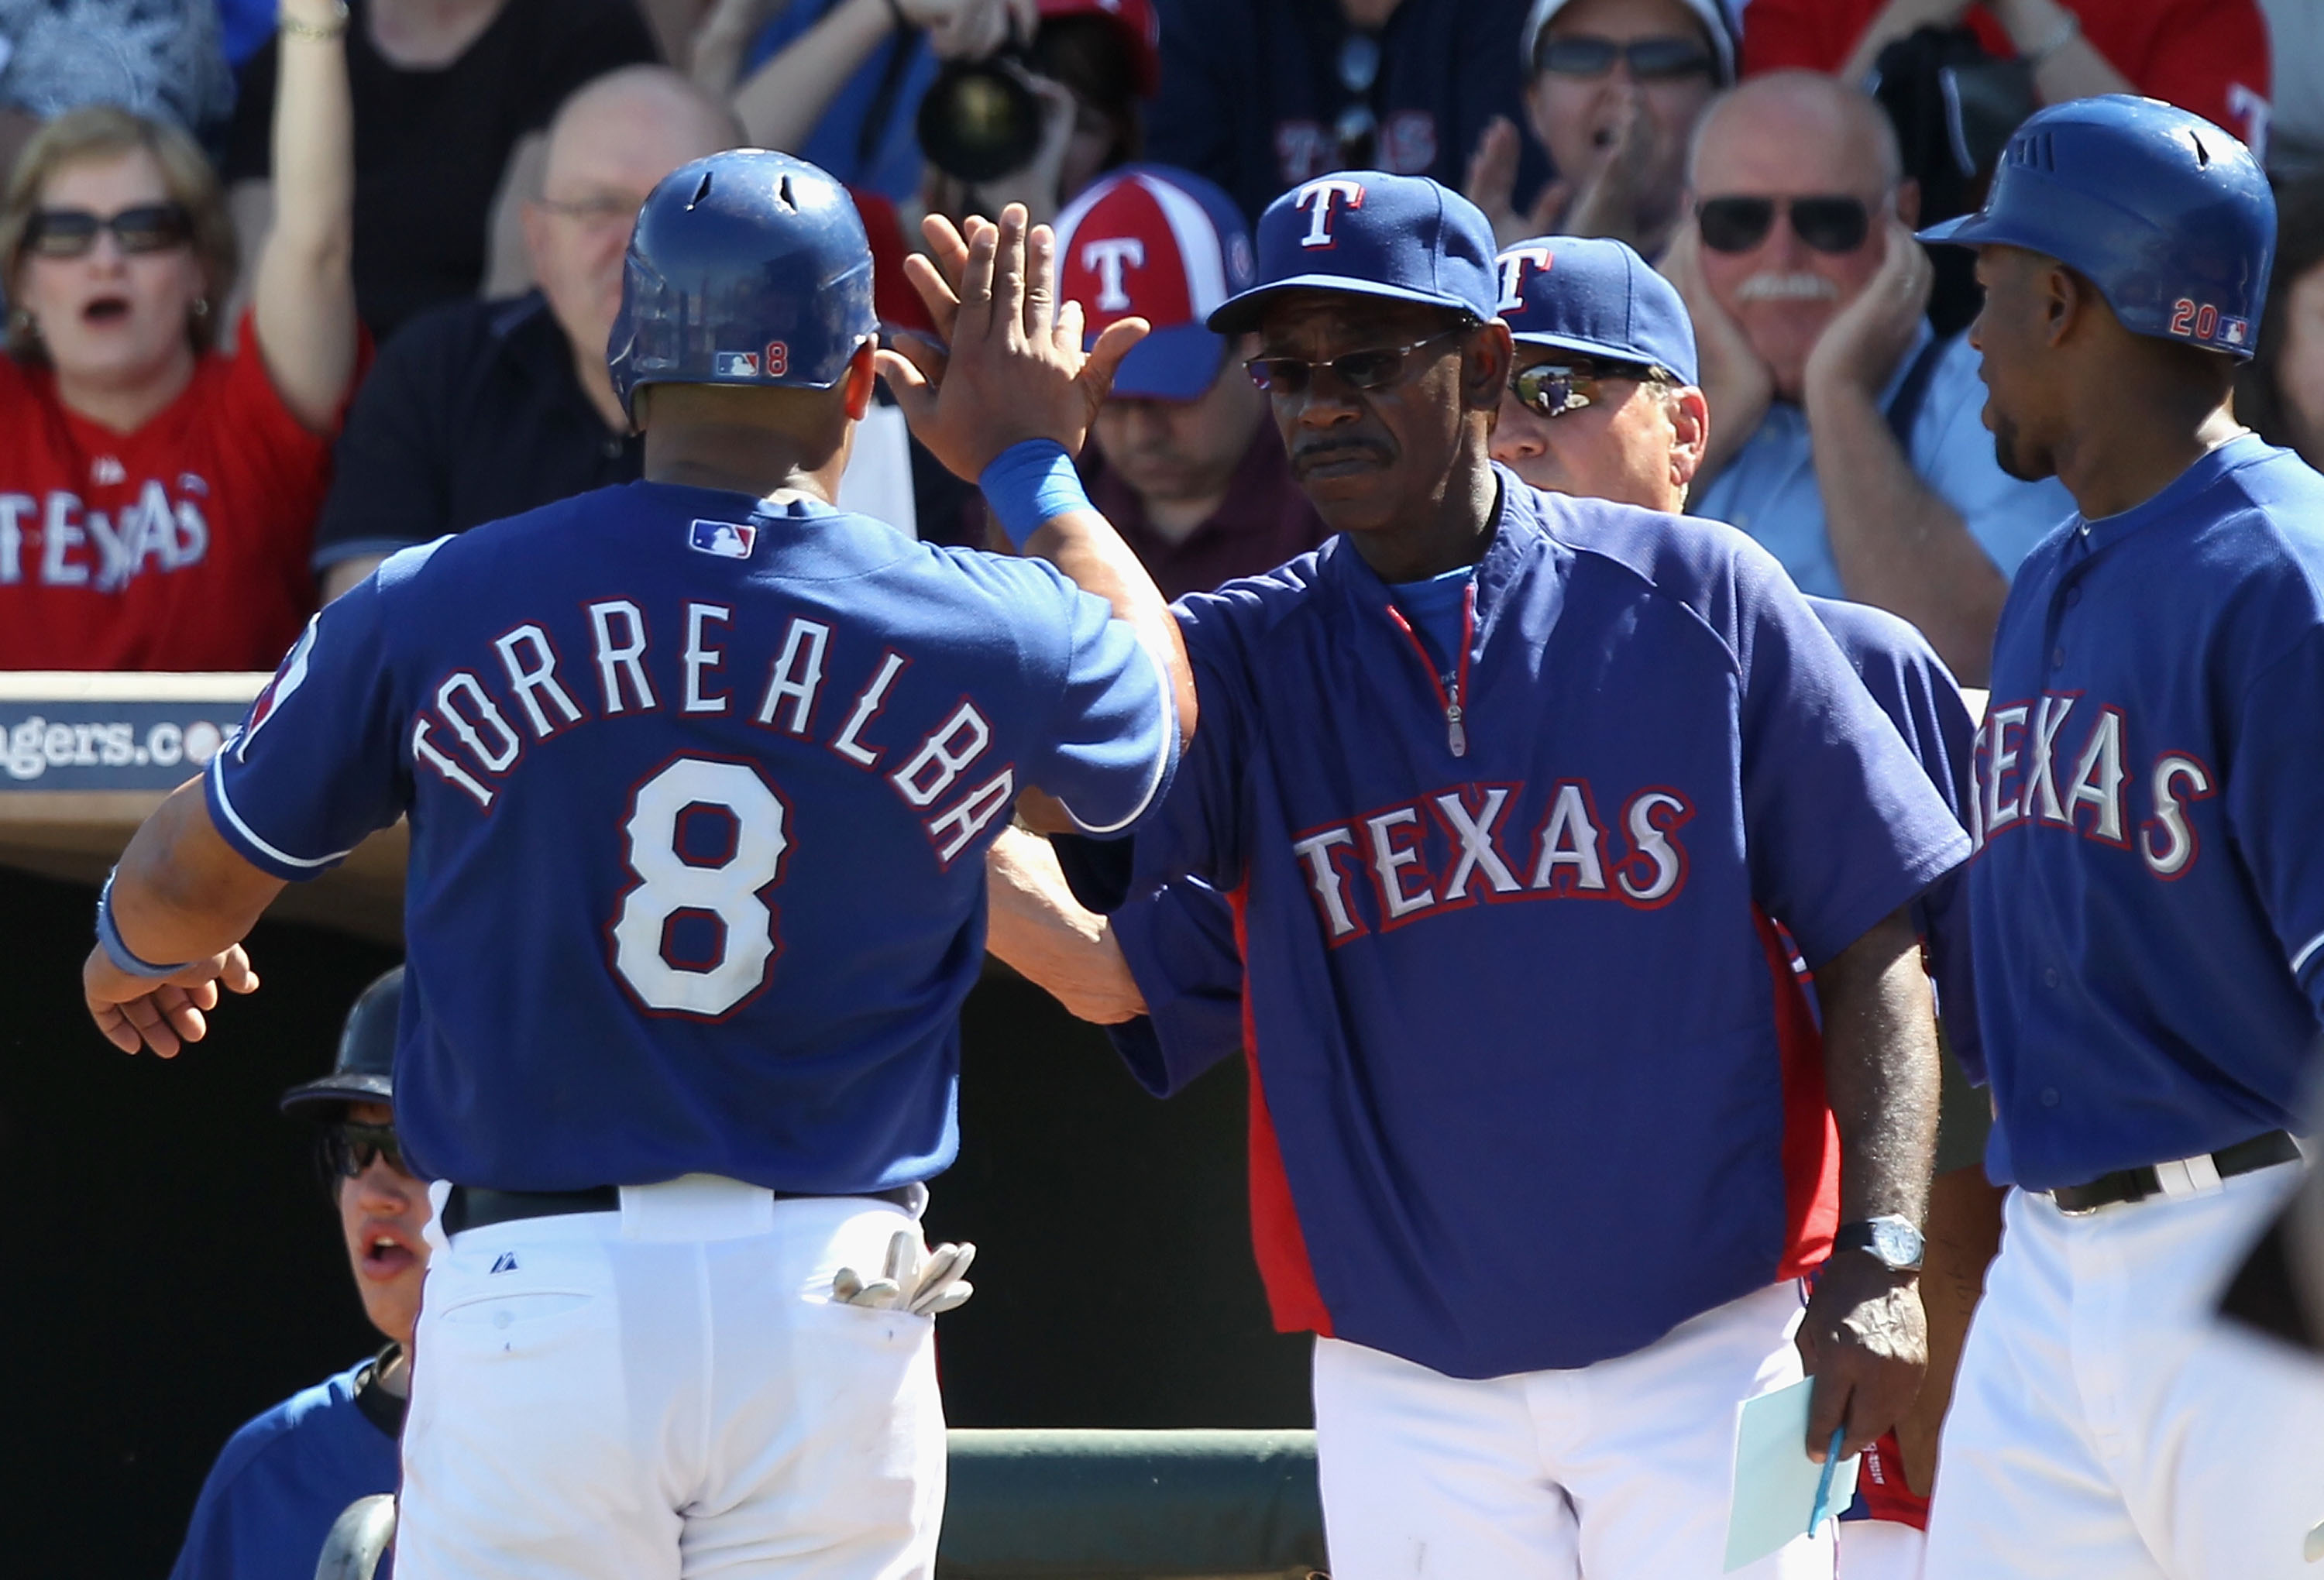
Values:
[(1893, 1241)]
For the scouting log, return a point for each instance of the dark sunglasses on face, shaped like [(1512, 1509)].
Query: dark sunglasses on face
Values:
[(1550, 390), (69, 233), (1828, 225), (1658, 60), (350, 1146), (1358, 370)]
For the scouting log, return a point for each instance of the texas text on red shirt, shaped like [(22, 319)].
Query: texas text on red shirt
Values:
[(181, 545)]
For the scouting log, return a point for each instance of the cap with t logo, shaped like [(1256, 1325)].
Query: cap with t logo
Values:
[(1596, 296), (1161, 245), (1404, 238)]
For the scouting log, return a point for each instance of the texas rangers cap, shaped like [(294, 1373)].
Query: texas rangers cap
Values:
[(1718, 27), (1595, 296), (1165, 245), (1371, 233)]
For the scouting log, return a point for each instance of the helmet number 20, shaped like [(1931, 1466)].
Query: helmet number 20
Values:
[(695, 935)]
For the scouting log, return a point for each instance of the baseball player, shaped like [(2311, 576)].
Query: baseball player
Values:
[(280, 1481), (1505, 791), (1602, 402), (2148, 904), (699, 772)]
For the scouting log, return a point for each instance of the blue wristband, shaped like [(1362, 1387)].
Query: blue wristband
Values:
[(108, 939), (1030, 482)]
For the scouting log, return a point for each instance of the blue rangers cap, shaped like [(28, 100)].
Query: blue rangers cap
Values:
[(1597, 297), (1404, 238)]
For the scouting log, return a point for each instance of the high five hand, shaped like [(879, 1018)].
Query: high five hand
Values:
[(1014, 369)]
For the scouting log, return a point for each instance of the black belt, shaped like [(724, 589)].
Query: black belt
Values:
[(2260, 1152), (472, 1207)]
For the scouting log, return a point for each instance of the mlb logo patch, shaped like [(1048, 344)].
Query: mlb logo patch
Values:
[(734, 365), (2234, 331), (726, 539)]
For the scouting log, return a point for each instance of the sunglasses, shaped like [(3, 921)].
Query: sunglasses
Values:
[(1358, 370), (1659, 59), (1828, 225), (1550, 390), (350, 1146), (71, 233)]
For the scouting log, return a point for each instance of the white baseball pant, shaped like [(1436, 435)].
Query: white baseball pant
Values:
[(2108, 1421), (667, 1391), (1619, 1471)]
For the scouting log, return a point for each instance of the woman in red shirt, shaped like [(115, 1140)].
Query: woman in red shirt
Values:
[(157, 496)]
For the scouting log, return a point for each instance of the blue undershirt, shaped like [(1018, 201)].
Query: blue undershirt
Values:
[(1436, 609)]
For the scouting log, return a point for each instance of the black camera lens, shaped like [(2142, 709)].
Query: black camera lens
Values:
[(979, 119)]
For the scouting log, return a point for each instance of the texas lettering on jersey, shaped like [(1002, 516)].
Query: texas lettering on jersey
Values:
[(1378, 871), (2061, 763), (58, 539), (477, 721)]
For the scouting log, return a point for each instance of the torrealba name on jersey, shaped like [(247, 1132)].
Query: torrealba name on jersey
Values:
[(466, 732)]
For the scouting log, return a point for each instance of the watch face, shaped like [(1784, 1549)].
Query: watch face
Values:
[(1896, 1241)]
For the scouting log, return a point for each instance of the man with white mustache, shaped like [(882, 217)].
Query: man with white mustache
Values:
[(1848, 440)]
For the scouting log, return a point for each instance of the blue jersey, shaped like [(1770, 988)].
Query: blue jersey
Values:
[(2147, 903), (1179, 939), (281, 1479), (1509, 931), (699, 787)]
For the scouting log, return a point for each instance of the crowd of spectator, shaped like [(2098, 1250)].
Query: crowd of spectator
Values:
[(292, 284)]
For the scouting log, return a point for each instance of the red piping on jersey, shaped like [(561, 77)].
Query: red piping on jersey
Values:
[(1276, 1240), (1457, 727), (1811, 1147)]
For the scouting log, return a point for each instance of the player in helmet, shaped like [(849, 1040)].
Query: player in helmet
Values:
[(284, 1478), (698, 771), (2147, 907)]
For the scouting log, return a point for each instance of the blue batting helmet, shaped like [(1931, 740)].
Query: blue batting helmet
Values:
[(2168, 215), (748, 267)]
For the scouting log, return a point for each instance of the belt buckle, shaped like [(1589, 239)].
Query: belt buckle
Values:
[(2076, 1212)]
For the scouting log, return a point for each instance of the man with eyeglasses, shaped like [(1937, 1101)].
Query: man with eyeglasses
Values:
[(1848, 440), (283, 1479), (1486, 778), (480, 410), (1613, 89)]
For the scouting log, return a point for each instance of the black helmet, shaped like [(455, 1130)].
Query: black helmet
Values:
[(365, 1071)]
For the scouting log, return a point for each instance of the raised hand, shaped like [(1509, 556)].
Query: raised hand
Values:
[(1868, 337), (134, 1012), (1492, 185), (1736, 384), (1013, 367)]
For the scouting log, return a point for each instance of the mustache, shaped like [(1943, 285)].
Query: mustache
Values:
[(1787, 287), (1318, 451)]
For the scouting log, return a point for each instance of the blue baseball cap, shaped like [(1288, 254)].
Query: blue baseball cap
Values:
[(1403, 238), (1595, 296), (1164, 245)]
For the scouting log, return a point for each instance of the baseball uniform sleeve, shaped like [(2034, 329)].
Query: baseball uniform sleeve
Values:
[(1953, 452), (1179, 941), (1841, 825), (2275, 803), (1112, 735), (319, 762)]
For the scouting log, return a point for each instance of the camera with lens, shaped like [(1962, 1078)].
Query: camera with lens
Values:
[(981, 119)]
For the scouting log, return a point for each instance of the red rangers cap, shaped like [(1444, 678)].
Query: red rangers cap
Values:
[(1163, 244)]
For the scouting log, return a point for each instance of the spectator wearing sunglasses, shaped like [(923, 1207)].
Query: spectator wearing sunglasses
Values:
[(1613, 89), (1185, 464), (1260, 97), (284, 1478), (2208, 56), (157, 497), (1848, 439)]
